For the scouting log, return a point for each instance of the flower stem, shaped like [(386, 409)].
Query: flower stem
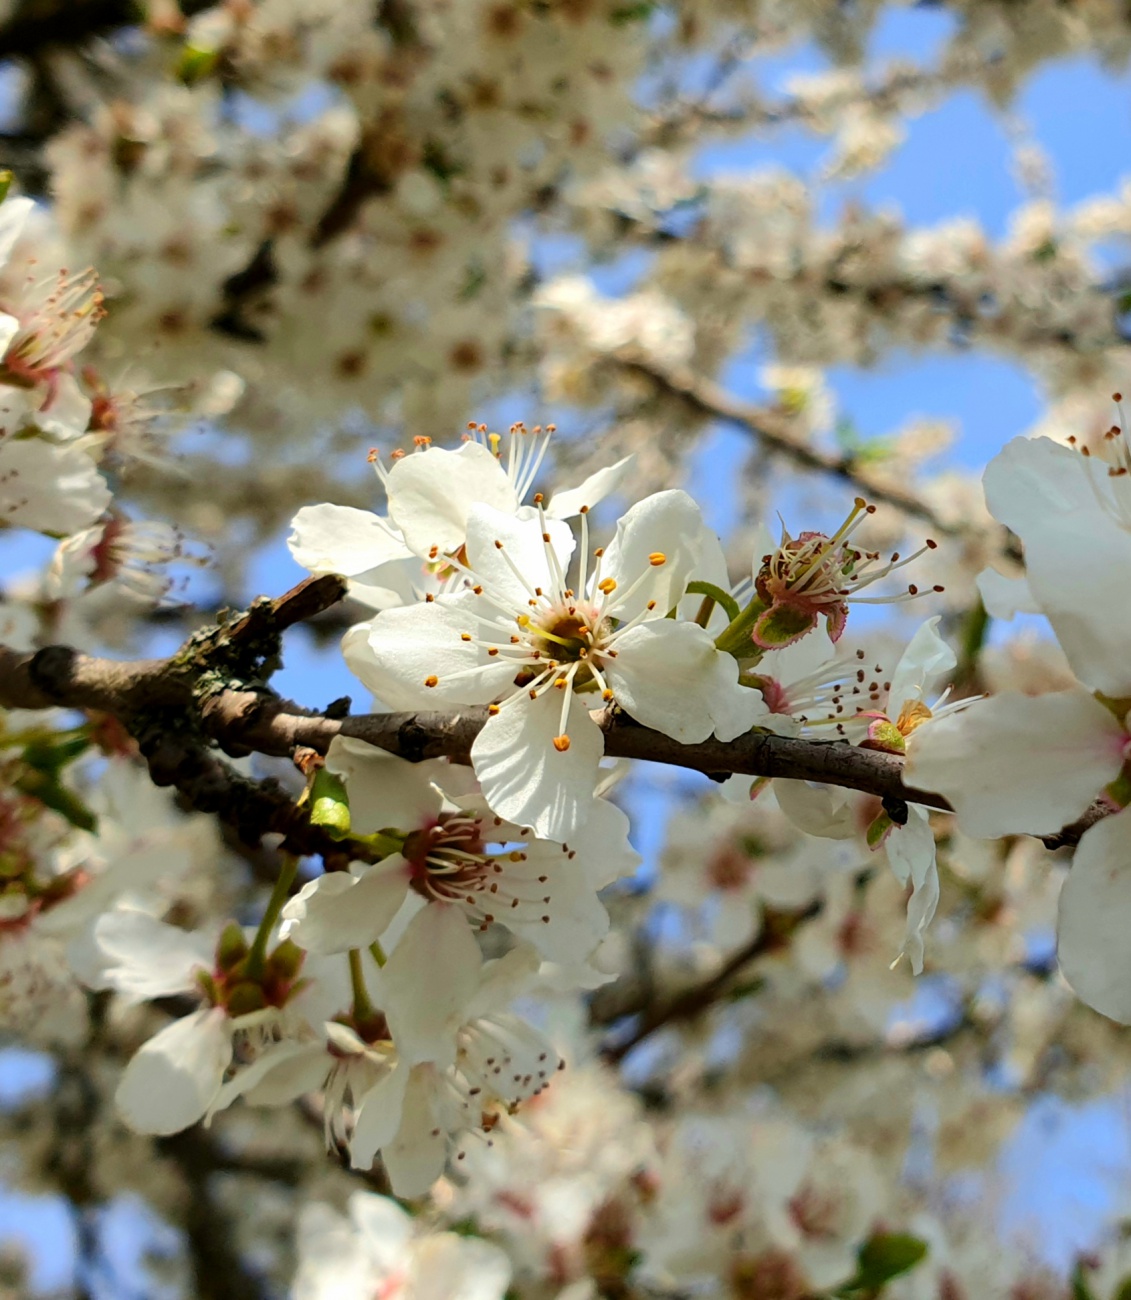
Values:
[(735, 638), (363, 1008), (257, 957), (377, 953)]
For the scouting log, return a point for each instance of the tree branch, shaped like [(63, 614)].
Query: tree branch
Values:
[(709, 399), (177, 707)]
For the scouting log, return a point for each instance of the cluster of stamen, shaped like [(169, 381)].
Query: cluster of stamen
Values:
[(452, 861), (526, 450), (522, 459), (815, 575), (58, 323), (561, 641), (831, 696), (1116, 462)]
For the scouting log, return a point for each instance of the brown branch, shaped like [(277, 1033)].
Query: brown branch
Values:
[(776, 932), (709, 399), (177, 707)]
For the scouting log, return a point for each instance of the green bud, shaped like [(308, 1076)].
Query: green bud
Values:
[(245, 998), (286, 961), (232, 947), (329, 804)]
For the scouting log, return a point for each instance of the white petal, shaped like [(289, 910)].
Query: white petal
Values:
[(339, 911), (911, 853), (529, 782), (564, 505), (922, 668), (341, 539), (415, 1158), (1033, 478), (503, 980), (410, 645), (49, 488), (823, 810), (428, 981), (173, 1078), (668, 523), (711, 566), (523, 548), (387, 1229), (263, 1078), (291, 1076), (668, 675), (144, 958), (66, 412), (447, 1267), (1003, 597), (431, 492), (1095, 918), (378, 1117), (1077, 557), (602, 845), (384, 790), (1015, 765), (14, 214)]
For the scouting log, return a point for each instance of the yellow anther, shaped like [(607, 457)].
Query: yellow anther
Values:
[(657, 558), (607, 585), (606, 695), (433, 680), (523, 620), (465, 636), (561, 743)]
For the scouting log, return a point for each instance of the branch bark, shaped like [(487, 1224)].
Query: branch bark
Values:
[(178, 707)]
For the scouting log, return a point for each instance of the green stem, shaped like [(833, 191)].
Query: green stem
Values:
[(363, 1008), (377, 953), (257, 957), (735, 638)]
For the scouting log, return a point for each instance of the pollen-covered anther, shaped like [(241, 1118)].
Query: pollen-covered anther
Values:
[(657, 558), (561, 743), (607, 585), (432, 680)]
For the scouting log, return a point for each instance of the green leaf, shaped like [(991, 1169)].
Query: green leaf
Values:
[(47, 788), (720, 597), (882, 1258), (329, 804)]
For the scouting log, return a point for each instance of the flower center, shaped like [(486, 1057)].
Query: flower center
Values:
[(449, 864)]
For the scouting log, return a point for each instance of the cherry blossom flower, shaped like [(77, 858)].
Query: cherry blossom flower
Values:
[(457, 853), (534, 647), (430, 496), (381, 1251), (814, 576), (459, 1054), (177, 1077)]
